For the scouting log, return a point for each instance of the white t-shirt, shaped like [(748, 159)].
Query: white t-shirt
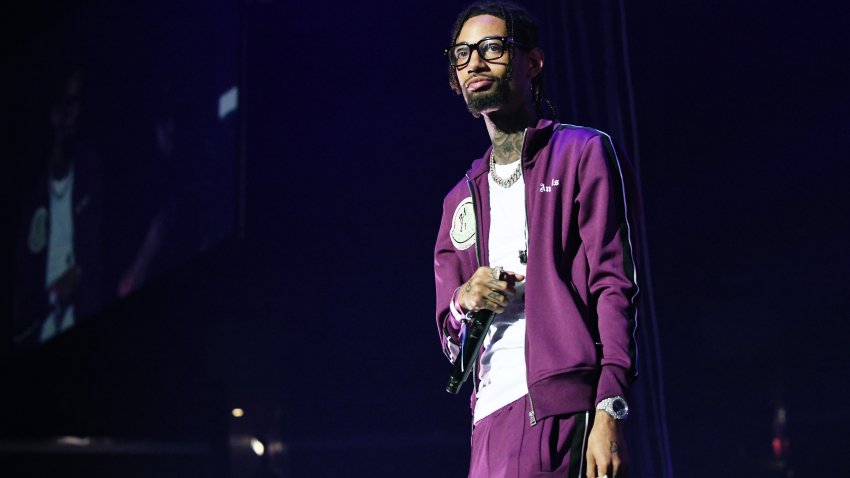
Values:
[(60, 249), (502, 374)]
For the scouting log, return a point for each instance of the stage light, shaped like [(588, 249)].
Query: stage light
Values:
[(237, 412), (75, 441), (257, 446)]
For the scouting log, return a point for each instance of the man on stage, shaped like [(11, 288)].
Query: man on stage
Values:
[(541, 232)]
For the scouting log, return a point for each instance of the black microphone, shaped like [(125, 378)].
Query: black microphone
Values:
[(476, 331)]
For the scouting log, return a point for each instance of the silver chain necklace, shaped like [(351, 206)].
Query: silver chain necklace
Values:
[(505, 183)]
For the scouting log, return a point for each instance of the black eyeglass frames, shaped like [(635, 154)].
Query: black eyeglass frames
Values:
[(489, 48)]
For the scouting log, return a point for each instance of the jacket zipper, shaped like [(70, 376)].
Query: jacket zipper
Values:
[(532, 416), (478, 255)]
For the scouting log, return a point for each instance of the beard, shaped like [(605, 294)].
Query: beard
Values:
[(478, 102)]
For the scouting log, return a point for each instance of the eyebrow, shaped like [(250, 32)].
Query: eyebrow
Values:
[(497, 35)]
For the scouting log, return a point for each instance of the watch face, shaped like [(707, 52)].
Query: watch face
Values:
[(619, 406)]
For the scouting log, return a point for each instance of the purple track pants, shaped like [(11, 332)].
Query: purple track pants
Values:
[(505, 445)]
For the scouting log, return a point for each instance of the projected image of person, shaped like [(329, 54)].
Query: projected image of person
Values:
[(540, 232), (58, 261)]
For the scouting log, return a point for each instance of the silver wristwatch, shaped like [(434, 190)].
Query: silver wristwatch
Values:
[(614, 406)]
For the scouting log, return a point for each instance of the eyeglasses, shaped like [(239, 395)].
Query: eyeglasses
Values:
[(489, 49)]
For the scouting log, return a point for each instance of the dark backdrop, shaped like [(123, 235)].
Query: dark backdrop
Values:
[(745, 131), (319, 321)]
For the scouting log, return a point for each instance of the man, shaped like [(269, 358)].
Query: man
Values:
[(539, 232), (59, 262)]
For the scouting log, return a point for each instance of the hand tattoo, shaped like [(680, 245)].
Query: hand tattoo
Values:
[(468, 288), (614, 447)]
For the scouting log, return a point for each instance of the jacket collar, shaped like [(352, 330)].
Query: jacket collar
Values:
[(535, 139)]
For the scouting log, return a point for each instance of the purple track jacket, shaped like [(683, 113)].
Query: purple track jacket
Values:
[(581, 277)]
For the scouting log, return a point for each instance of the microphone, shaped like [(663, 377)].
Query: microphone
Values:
[(476, 331)]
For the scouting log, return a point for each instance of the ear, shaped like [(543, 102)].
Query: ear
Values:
[(535, 62)]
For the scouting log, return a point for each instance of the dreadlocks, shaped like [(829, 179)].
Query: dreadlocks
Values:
[(519, 25)]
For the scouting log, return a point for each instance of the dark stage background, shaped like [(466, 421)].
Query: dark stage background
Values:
[(317, 318)]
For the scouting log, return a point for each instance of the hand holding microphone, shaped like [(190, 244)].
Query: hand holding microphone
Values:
[(486, 293), (488, 288)]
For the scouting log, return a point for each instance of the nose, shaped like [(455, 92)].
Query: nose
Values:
[(476, 63)]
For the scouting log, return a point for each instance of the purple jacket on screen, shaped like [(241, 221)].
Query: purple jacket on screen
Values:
[(581, 277)]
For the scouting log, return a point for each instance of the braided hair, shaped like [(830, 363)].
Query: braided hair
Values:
[(519, 25)]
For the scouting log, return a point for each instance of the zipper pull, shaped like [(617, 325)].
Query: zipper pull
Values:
[(532, 418)]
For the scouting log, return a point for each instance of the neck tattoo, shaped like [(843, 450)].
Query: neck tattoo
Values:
[(507, 147)]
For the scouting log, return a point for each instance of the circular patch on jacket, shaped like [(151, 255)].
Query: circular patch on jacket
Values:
[(37, 238), (463, 225)]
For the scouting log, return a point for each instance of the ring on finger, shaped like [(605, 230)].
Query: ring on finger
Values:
[(496, 272)]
